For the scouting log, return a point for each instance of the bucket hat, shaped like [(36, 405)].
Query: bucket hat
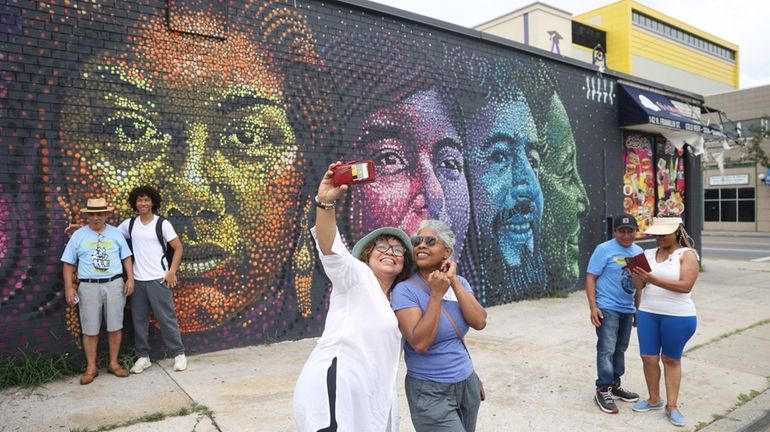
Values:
[(388, 231)]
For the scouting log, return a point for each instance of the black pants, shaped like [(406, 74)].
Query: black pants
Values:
[(331, 388)]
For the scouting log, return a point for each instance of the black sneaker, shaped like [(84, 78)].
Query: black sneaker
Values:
[(619, 392), (605, 401)]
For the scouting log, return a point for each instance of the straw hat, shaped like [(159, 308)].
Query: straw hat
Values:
[(664, 225), (96, 205)]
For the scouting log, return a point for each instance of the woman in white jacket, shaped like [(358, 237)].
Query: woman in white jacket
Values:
[(349, 382)]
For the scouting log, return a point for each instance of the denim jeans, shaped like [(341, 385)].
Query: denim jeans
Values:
[(612, 340)]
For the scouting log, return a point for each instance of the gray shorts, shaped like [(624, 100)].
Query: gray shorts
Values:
[(98, 298)]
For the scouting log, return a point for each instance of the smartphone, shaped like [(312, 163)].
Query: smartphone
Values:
[(350, 173)]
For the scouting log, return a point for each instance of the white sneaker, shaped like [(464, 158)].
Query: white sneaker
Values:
[(141, 364), (180, 363)]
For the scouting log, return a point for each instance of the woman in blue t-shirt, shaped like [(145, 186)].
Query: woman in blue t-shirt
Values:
[(435, 307)]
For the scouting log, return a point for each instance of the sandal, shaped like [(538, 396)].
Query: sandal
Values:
[(88, 377), (119, 372)]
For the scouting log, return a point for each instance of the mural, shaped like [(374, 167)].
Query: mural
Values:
[(669, 178), (653, 189), (234, 112), (639, 180)]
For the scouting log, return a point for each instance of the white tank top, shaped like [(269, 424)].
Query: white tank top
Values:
[(660, 300)]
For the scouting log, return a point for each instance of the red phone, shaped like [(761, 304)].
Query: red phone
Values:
[(353, 173)]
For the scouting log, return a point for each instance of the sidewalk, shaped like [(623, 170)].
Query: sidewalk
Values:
[(536, 359)]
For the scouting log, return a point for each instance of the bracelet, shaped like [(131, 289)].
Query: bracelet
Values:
[(323, 205)]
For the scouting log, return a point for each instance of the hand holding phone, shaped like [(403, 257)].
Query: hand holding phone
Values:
[(350, 173)]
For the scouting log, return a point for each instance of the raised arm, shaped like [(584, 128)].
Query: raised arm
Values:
[(420, 329), (325, 215), (473, 312)]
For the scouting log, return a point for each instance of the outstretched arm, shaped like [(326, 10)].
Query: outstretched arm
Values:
[(326, 218)]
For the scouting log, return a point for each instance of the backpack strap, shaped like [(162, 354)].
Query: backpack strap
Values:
[(130, 229), (159, 233)]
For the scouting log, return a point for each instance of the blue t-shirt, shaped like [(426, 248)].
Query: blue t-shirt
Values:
[(97, 255), (614, 290), (446, 361)]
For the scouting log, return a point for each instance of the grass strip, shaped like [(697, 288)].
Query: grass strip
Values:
[(726, 335), (195, 408)]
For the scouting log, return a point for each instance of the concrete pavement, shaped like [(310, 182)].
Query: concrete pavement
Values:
[(536, 359)]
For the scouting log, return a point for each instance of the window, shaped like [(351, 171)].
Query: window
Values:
[(587, 36), (681, 36), (729, 204)]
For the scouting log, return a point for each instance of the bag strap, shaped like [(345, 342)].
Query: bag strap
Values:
[(426, 289), (159, 234), (130, 229)]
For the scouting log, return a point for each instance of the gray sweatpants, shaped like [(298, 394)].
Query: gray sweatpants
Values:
[(156, 296)]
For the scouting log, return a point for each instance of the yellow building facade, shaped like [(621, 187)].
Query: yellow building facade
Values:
[(646, 43), (637, 40)]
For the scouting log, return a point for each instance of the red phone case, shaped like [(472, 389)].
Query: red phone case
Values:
[(353, 173)]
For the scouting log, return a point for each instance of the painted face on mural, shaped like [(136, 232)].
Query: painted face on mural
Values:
[(202, 119), (506, 194), (418, 159), (566, 201)]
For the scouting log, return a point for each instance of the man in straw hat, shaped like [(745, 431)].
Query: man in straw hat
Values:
[(101, 255)]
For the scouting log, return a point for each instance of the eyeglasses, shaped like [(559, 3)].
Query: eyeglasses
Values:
[(430, 241), (397, 249)]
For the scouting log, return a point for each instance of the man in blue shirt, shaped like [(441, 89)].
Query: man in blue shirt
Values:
[(101, 256), (611, 298)]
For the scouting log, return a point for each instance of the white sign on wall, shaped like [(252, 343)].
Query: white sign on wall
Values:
[(736, 179)]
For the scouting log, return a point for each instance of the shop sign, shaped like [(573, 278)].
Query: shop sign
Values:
[(724, 180)]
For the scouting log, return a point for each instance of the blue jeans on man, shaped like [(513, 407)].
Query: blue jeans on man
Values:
[(612, 341)]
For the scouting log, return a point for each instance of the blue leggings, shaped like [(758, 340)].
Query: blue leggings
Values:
[(664, 334)]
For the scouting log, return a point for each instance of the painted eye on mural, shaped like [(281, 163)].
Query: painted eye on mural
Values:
[(131, 131), (258, 135), (247, 134), (389, 160), (500, 153), (449, 161)]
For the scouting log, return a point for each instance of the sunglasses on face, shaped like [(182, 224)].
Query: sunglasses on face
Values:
[(383, 247), (430, 241)]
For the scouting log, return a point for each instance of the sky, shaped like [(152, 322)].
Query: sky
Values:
[(742, 22)]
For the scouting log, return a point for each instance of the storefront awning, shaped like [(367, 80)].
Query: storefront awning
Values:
[(647, 111)]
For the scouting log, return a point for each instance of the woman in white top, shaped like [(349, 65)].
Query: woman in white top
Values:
[(666, 319), (349, 381)]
